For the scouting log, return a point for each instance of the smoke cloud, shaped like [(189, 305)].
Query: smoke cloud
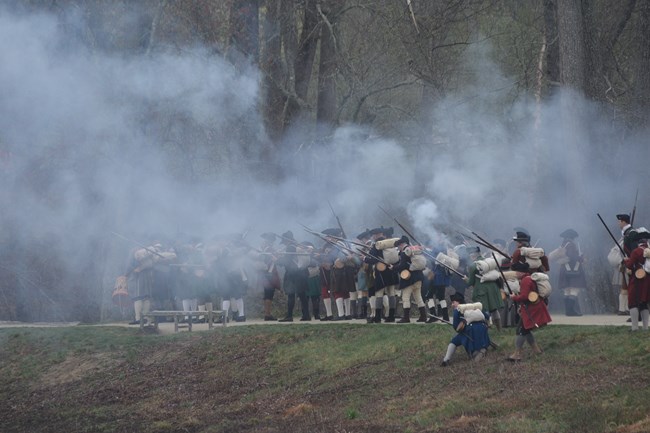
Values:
[(172, 144)]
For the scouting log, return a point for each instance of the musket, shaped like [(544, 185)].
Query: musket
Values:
[(611, 235), (505, 280), (140, 245), (349, 241), (492, 344), (426, 253), (473, 239), (401, 226), (634, 209), (450, 324), (623, 273), (308, 230), (291, 241), (492, 247), (338, 221)]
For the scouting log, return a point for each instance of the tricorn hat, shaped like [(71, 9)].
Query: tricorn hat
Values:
[(521, 229), (402, 240), (287, 237), (640, 234), (458, 297), (332, 232), (521, 237), (364, 235), (569, 234), (623, 217)]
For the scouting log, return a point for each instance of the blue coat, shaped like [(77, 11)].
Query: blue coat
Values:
[(475, 335)]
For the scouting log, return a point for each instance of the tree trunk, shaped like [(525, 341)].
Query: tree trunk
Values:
[(327, 67), (642, 66), (571, 44), (304, 62), (244, 31), (552, 66), (572, 143), (271, 64)]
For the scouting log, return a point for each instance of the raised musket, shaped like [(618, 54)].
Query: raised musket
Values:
[(431, 256), (363, 253), (338, 221), (634, 209), (140, 245), (492, 247), (623, 273), (611, 235), (400, 226)]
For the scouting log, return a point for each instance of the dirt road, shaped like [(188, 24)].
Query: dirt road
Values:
[(168, 328)]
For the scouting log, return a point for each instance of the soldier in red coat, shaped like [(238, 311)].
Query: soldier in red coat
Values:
[(534, 314), (638, 288)]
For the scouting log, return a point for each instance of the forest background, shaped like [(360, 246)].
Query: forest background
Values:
[(198, 118)]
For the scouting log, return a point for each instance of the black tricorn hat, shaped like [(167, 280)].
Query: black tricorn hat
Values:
[(521, 237), (402, 240), (458, 297), (640, 234), (268, 236), (521, 229), (287, 237), (332, 232), (623, 217), (569, 234), (364, 235)]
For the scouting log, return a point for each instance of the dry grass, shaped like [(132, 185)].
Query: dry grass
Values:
[(341, 378)]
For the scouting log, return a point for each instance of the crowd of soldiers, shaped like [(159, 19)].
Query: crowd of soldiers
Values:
[(378, 277)]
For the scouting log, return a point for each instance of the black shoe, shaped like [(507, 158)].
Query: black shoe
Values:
[(240, 319), (135, 322), (305, 319), (338, 318), (444, 363), (286, 319), (348, 317), (326, 319), (269, 318), (629, 320)]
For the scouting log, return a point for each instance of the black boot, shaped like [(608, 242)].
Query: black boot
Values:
[(407, 316), (377, 318), (423, 315), (364, 310), (391, 316), (445, 314), (432, 311), (353, 310)]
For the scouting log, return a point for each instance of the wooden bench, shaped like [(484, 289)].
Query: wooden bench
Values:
[(211, 317)]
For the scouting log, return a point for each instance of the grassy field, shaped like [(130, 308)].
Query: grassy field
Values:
[(336, 378)]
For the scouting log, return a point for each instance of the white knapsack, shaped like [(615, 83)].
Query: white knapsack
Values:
[(543, 284)]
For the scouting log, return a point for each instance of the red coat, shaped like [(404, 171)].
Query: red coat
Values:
[(638, 291), (531, 314)]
